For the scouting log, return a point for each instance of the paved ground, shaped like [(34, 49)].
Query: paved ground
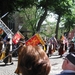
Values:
[(56, 63), (8, 69), (55, 60)]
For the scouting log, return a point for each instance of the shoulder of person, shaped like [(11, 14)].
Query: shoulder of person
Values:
[(66, 74)]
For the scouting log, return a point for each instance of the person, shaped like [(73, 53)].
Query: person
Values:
[(8, 55), (71, 47), (1, 43), (68, 65), (49, 53), (60, 50), (2, 53), (33, 61)]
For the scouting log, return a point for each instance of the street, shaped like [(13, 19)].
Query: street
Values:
[(55, 61), (56, 65)]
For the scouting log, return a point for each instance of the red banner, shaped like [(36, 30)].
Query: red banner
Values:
[(17, 37), (35, 40)]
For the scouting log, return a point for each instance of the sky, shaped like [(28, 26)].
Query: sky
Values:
[(51, 18)]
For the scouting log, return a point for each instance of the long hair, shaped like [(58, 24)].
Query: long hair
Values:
[(34, 61)]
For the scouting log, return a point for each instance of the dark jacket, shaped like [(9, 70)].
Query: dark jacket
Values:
[(67, 73), (7, 53)]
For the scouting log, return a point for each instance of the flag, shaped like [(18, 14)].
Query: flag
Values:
[(17, 37), (35, 40)]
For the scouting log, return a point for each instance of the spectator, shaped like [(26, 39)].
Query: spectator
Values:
[(68, 65), (33, 61)]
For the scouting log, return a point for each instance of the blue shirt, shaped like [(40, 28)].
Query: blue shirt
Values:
[(67, 72)]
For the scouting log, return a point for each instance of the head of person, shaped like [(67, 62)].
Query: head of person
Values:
[(69, 62), (8, 39), (34, 61), (21, 41)]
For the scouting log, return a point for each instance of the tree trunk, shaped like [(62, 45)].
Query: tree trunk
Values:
[(69, 29), (42, 18), (57, 26)]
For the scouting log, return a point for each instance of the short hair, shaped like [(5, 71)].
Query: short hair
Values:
[(34, 61)]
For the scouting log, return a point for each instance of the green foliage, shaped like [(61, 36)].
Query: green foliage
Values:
[(69, 23), (30, 18), (32, 11)]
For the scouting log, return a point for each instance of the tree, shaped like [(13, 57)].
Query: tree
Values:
[(59, 7), (70, 19), (13, 5), (62, 8), (30, 18), (69, 23)]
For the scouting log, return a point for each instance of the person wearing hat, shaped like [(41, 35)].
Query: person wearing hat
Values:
[(68, 65)]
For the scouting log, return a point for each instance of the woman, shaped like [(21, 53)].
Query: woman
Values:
[(33, 61)]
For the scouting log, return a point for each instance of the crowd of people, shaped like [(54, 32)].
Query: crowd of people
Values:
[(61, 45), (5, 52), (34, 60)]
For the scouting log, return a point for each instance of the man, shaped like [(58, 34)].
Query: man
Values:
[(7, 53), (68, 65)]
